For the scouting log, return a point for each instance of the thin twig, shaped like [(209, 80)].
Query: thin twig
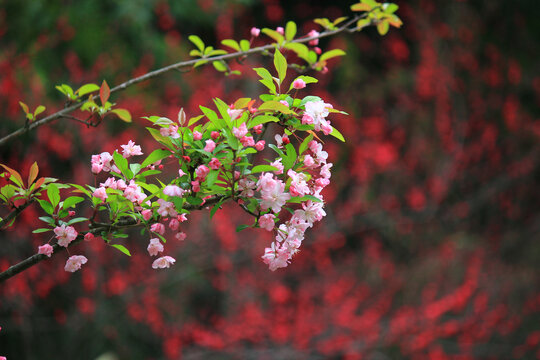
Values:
[(12, 215), (183, 64)]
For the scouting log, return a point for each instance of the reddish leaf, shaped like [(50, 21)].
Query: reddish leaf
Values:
[(104, 92), (15, 174), (34, 169)]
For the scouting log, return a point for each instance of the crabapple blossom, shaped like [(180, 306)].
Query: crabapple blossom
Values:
[(163, 262), (75, 262), (174, 224), (214, 164), (146, 214), (130, 149), (166, 208), (158, 228), (170, 131), (210, 146), (195, 186), (247, 141), (299, 84), (278, 165), (241, 131), (258, 129), (246, 187), (275, 257), (65, 234), (235, 113), (272, 192), (45, 250), (267, 222), (255, 31), (181, 236), (173, 190), (280, 30), (316, 113), (197, 136), (89, 237), (260, 145), (100, 193), (154, 247), (214, 135), (313, 33), (202, 171)]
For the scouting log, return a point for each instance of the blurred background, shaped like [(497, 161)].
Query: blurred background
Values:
[(430, 247)]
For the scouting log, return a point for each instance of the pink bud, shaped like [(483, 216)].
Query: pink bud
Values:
[(147, 214), (280, 30), (299, 84), (255, 31), (197, 135), (89, 237), (214, 135), (260, 145)]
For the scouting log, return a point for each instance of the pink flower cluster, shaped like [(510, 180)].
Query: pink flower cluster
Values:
[(290, 234), (316, 113)]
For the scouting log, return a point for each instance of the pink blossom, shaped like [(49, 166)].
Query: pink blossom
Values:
[(65, 234), (318, 111), (181, 236), (247, 141), (131, 149), (163, 262), (100, 193), (275, 257), (147, 214), (299, 84), (158, 228), (312, 212), (246, 187), (97, 166), (182, 217), (278, 165), (241, 131), (174, 224), (197, 135), (201, 171), (267, 222), (308, 161), (134, 193), (298, 185), (255, 31), (214, 135), (280, 30), (173, 190), (284, 103), (272, 192), (195, 186), (258, 128), (214, 164), (260, 145), (313, 42), (325, 171), (154, 247), (181, 173), (166, 208), (75, 262), (307, 119), (235, 113), (210, 146), (89, 237), (171, 131), (45, 250)]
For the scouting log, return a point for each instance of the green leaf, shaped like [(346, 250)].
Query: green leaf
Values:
[(266, 79), (300, 49), (304, 145), (275, 106), (54, 194), (298, 199), (123, 114), (382, 27), (194, 200), (263, 168), (231, 43), (197, 41), (242, 227), (160, 138), (46, 206), (41, 230), (121, 162), (135, 168), (194, 120), (87, 89), (390, 8), (244, 45), (335, 133), (77, 220), (71, 201), (309, 99), (290, 30), (331, 54), (289, 160), (273, 34), (220, 65), (24, 107), (361, 7), (49, 220), (39, 110), (122, 248), (281, 65), (262, 119)]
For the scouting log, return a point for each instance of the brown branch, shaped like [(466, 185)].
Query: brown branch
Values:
[(121, 224), (177, 66), (12, 215)]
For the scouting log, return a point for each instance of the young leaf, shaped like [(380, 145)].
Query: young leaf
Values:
[(244, 45), (33, 173), (87, 89), (263, 168), (122, 248), (331, 54), (220, 66), (46, 206), (54, 194), (24, 107), (39, 110), (71, 201), (41, 230), (197, 41), (382, 27), (154, 156), (104, 92), (121, 162), (231, 43), (15, 176), (273, 34), (304, 145), (281, 65), (290, 30), (123, 114), (242, 227), (266, 79), (335, 133)]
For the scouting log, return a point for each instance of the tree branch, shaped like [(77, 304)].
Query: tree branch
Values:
[(177, 66), (121, 224), (12, 215)]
